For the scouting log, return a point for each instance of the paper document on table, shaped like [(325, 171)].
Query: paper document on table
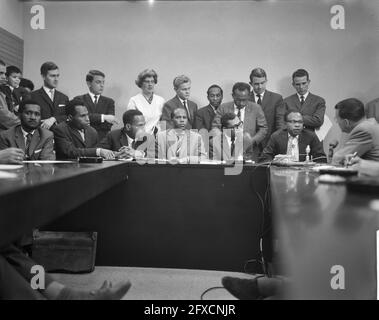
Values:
[(10, 166), (7, 175), (324, 129), (48, 161)]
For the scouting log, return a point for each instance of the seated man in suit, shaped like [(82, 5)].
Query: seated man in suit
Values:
[(363, 133), (228, 146), (10, 88), (76, 138), (36, 142), (51, 101), (271, 103), (180, 143), (182, 86), (204, 116), (100, 108), (293, 141), (8, 118), (311, 107), (250, 114), (131, 141)]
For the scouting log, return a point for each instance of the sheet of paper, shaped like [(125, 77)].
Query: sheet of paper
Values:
[(48, 161), (7, 175), (10, 166), (324, 129)]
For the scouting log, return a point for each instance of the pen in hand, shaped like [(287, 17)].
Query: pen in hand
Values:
[(350, 159)]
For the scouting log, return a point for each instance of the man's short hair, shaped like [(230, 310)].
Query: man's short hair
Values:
[(25, 102), (241, 86), (179, 80), (215, 86), (147, 73), (92, 73), (72, 104), (288, 112), (2, 63), (258, 73), (300, 73), (11, 70), (173, 112), (351, 109), (26, 83), (128, 116), (227, 117), (47, 66)]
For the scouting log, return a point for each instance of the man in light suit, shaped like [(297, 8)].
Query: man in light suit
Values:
[(101, 109), (311, 107), (293, 141), (76, 138), (204, 116), (271, 103), (7, 118), (180, 143), (51, 101), (250, 114), (182, 86), (363, 133), (36, 142), (372, 109)]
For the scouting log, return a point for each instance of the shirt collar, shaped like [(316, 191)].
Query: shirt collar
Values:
[(47, 90), (26, 133), (261, 94), (93, 95), (304, 95), (181, 100), (236, 108), (130, 140), (293, 137)]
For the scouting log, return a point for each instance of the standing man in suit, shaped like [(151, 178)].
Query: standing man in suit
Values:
[(204, 116), (363, 133), (293, 141), (250, 114), (311, 107), (182, 86), (52, 101), (36, 142), (7, 117), (271, 103), (76, 138), (101, 109)]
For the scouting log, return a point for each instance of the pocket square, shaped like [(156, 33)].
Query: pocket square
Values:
[(38, 151), (61, 105)]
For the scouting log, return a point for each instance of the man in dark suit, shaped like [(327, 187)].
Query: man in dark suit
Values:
[(7, 118), (36, 142), (363, 133), (76, 138), (311, 107), (131, 141), (10, 88), (251, 116), (271, 103), (101, 109), (293, 141), (52, 101), (182, 86), (204, 116)]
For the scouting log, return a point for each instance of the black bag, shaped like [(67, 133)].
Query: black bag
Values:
[(66, 252)]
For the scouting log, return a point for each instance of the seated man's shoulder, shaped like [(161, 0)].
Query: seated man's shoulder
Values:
[(170, 103), (45, 133), (108, 99), (203, 110), (290, 98), (316, 97), (274, 95), (226, 107)]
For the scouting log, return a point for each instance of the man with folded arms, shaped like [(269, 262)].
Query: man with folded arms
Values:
[(36, 143), (76, 138)]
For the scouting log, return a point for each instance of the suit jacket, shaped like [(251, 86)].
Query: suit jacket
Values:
[(279, 141), (173, 104), (219, 148), (50, 108), (363, 139), (167, 145), (372, 109), (313, 109), (104, 105), (116, 139), (204, 118), (273, 108), (7, 118), (69, 143), (41, 146), (11, 97), (254, 123)]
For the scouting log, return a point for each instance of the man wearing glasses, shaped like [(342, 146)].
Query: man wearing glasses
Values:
[(251, 116), (293, 141)]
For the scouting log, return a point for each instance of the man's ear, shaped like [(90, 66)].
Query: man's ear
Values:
[(128, 126)]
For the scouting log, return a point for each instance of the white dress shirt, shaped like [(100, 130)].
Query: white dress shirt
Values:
[(92, 95), (242, 112), (49, 92), (24, 133), (304, 95), (261, 95), (293, 147)]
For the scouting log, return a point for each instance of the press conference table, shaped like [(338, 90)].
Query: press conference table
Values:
[(195, 217)]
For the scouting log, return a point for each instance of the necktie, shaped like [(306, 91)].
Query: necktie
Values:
[(179, 145), (259, 101), (239, 114), (95, 102), (232, 145), (52, 94), (301, 100), (188, 114), (29, 137)]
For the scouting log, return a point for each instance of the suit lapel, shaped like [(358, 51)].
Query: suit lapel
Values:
[(248, 118), (123, 138), (283, 142), (47, 99), (19, 138), (34, 142), (76, 135), (307, 101), (88, 101)]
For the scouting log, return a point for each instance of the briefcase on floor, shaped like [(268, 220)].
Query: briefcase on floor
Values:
[(67, 252)]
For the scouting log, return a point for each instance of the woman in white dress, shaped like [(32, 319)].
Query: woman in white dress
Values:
[(147, 102)]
